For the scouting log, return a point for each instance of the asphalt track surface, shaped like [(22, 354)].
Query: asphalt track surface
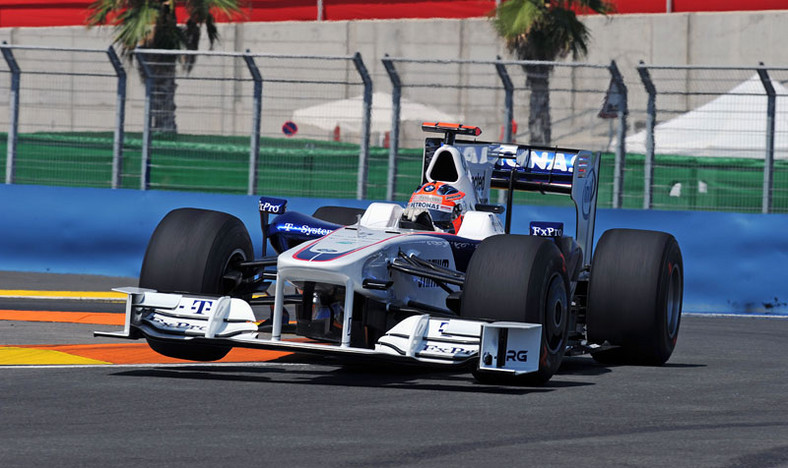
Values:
[(721, 401)]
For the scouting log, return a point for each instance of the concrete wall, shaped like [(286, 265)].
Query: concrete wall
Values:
[(730, 39)]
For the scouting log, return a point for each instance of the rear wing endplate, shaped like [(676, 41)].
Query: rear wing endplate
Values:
[(552, 170)]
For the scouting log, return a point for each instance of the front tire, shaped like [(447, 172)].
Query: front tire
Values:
[(635, 296), (521, 279), (195, 251)]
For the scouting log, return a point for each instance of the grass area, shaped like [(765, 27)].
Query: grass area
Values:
[(310, 168), (286, 167)]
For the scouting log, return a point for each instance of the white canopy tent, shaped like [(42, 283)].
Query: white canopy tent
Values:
[(348, 113), (731, 125)]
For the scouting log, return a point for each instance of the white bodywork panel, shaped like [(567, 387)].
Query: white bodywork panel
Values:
[(381, 216), (479, 225), (351, 254), (509, 347), (464, 180)]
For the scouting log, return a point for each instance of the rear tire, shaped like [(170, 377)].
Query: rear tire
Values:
[(520, 279), (195, 251), (635, 296)]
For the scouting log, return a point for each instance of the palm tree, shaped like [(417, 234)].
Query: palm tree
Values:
[(152, 24), (544, 30)]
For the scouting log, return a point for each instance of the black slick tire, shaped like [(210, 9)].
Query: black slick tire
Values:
[(635, 296), (194, 251), (521, 279)]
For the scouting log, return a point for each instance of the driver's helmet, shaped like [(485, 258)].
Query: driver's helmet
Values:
[(445, 205)]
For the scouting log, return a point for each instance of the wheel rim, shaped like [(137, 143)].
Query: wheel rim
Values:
[(673, 302), (555, 315), (230, 266)]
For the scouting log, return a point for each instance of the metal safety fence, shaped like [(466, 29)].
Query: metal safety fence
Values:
[(242, 102), (709, 138), (182, 121), (715, 138), (65, 118)]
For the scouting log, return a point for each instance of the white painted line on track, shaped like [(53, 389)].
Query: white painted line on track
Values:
[(105, 296), (709, 314)]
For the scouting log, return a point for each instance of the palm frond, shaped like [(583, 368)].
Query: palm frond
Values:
[(135, 26), (602, 7), (201, 10), (167, 34), (572, 35), (212, 30), (546, 29), (205, 12), (516, 17), (191, 35), (101, 9), (152, 23), (224, 8)]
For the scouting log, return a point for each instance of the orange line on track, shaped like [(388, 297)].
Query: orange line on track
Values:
[(140, 353), (120, 353), (95, 318)]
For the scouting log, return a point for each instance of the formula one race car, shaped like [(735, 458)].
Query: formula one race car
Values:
[(440, 281)]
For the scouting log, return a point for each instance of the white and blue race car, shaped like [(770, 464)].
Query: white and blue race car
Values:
[(440, 281)]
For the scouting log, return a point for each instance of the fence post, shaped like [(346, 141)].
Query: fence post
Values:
[(768, 163), (396, 97), (146, 135), (257, 107), (651, 119), (13, 109), (619, 88), (508, 98), (508, 88), (363, 156), (120, 118)]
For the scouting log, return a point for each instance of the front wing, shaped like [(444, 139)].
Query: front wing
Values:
[(505, 347)]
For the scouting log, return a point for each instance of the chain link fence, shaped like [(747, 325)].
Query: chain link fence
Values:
[(64, 120), (707, 138), (225, 121), (715, 138)]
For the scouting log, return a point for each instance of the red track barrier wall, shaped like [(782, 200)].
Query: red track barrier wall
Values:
[(43, 13)]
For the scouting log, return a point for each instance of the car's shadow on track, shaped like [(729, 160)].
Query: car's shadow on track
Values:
[(347, 375), (586, 365), (317, 370), (582, 365)]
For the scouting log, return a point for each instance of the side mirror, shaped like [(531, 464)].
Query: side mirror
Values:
[(497, 209)]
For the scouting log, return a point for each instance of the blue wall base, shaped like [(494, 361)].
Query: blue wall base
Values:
[(733, 262)]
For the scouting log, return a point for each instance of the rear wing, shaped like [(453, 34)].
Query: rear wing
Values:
[(513, 167)]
